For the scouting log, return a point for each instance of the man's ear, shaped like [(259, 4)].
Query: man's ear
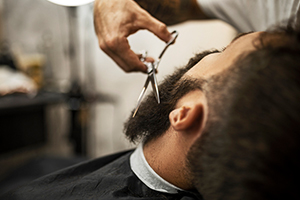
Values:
[(186, 117)]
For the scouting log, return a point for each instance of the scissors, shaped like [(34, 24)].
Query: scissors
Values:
[(151, 70)]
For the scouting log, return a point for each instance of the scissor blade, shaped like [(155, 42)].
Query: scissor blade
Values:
[(141, 96), (154, 86)]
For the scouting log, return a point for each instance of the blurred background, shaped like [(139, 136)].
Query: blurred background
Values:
[(62, 100)]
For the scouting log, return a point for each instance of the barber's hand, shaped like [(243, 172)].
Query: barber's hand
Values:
[(114, 21)]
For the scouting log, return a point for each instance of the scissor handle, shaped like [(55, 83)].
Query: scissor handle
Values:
[(172, 41)]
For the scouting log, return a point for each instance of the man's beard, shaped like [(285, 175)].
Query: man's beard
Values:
[(152, 119)]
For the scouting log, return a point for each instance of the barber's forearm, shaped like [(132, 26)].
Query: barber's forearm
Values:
[(173, 11)]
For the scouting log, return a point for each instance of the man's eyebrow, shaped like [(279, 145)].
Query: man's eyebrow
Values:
[(237, 37)]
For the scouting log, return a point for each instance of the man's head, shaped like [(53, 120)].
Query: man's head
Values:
[(250, 146), (246, 128), (153, 120)]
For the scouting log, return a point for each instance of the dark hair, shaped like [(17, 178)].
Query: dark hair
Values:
[(251, 145)]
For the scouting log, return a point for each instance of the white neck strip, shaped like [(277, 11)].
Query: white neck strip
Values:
[(147, 175)]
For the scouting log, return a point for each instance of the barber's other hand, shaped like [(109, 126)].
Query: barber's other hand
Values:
[(114, 21)]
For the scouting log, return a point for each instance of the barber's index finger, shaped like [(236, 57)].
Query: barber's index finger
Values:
[(155, 26)]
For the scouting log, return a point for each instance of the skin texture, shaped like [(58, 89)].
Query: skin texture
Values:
[(115, 20), (167, 154)]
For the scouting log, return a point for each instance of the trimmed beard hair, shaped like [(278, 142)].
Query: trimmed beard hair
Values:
[(152, 119)]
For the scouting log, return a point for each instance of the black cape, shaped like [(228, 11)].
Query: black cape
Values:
[(109, 177)]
